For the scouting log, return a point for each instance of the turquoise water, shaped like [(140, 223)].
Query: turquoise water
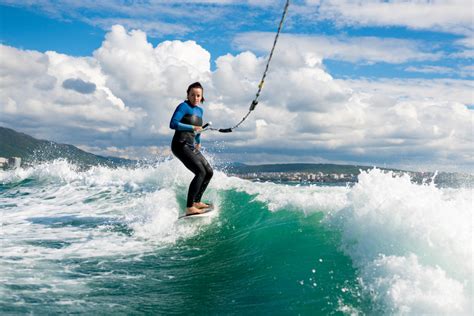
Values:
[(109, 241)]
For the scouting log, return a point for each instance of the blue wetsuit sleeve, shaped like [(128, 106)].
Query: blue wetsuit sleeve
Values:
[(176, 118)]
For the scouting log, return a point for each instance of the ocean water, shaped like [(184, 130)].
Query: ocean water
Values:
[(108, 241)]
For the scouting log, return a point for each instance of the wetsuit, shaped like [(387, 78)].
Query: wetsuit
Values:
[(184, 118)]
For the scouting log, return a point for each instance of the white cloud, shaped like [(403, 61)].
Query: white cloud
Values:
[(467, 42), (467, 71), (466, 46), (445, 15), (217, 20), (157, 18), (303, 111), (458, 91), (351, 49), (152, 28), (32, 83), (462, 71), (152, 78), (430, 69), (449, 16)]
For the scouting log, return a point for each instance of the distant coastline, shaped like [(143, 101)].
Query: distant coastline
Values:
[(337, 174), (28, 150)]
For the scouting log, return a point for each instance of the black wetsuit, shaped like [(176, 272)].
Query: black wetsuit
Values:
[(184, 118)]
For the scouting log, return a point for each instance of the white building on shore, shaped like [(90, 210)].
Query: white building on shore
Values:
[(10, 163), (3, 162)]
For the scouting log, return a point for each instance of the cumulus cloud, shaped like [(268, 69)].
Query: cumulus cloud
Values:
[(306, 110), (152, 78), (31, 95), (303, 110)]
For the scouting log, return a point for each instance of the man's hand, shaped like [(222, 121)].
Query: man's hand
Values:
[(198, 147)]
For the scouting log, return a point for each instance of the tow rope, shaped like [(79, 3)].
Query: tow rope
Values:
[(260, 85)]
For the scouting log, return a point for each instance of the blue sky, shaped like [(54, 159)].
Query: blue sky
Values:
[(394, 77)]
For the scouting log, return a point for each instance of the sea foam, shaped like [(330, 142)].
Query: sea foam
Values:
[(411, 244)]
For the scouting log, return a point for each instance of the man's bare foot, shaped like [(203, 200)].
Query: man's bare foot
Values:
[(193, 210), (200, 205)]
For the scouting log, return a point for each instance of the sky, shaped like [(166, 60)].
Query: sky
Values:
[(382, 83)]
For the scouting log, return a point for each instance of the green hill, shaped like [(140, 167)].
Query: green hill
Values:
[(30, 149)]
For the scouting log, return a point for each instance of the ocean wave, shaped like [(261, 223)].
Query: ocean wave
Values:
[(411, 244)]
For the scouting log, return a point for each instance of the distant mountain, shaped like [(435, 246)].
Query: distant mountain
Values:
[(30, 149)]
